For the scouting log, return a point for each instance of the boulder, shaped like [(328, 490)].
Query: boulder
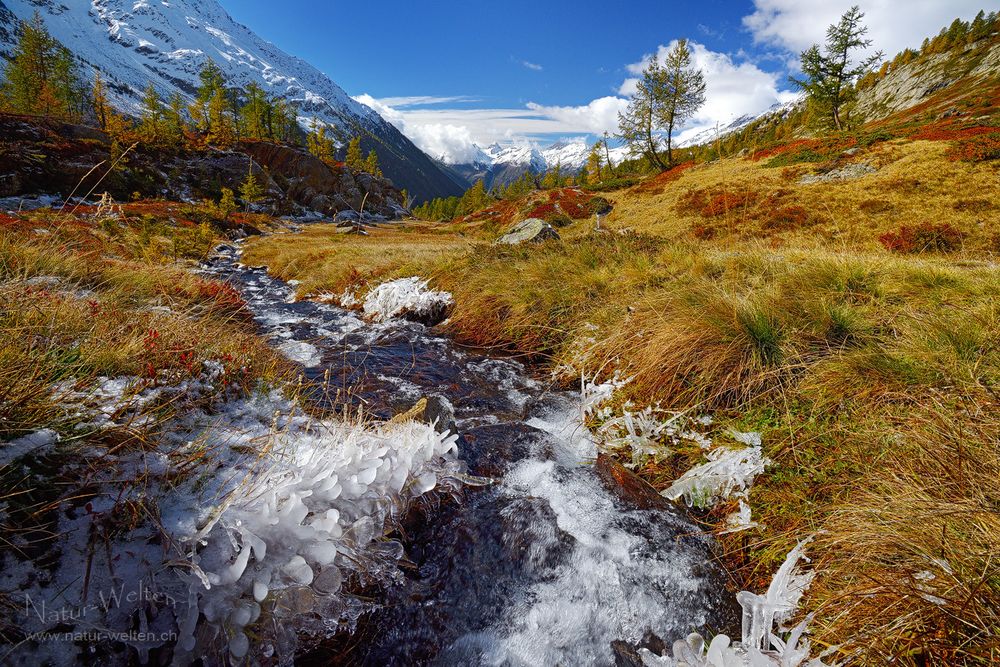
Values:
[(846, 173), (533, 230)]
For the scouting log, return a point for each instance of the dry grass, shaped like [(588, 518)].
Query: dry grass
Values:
[(78, 302), (325, 261), (915, 183)]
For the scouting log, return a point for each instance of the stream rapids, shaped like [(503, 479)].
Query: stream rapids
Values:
[(547, 565)]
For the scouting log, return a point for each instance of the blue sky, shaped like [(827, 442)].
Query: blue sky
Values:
[(450, 74)]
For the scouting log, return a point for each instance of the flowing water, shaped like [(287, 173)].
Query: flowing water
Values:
[(547, 566)]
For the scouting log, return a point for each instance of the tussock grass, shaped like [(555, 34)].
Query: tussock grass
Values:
[(77, 303)]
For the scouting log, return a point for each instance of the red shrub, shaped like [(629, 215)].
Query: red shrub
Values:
[(924, 237), (787, 217), (728, 202), (977, 149)]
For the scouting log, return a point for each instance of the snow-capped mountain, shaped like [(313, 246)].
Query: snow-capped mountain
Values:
[(498, 165), (711, 134), (166, 42)]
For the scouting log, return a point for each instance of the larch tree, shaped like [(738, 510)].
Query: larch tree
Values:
[(318, 143), (41, 77), (667, 94), (680, 94), (636, 125), (594, 164), (99, 100), (830, 74), (353, 157), (151, 125), (371, 164), (173, 121)]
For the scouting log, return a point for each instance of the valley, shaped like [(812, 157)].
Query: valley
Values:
[(278, 386)]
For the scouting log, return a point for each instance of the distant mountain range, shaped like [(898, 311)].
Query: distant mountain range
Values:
[(134, 42), (498, 165)]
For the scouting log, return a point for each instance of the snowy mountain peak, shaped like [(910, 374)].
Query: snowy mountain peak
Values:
[(166, 43)]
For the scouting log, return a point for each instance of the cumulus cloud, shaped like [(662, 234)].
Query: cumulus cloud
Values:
[(449, 142), (732, 89), (600, 115), (454, 135), (795, 25)]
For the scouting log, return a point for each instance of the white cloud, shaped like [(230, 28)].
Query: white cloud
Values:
[(454, 134), (600, 115), (795, 25), (423, 100), (532, 66)]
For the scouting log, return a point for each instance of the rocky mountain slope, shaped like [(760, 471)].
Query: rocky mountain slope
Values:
[(956, 75), (134, 42), (55, 158)]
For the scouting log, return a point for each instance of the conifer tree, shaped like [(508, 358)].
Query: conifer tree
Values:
[(371, 164), (250, 190), (99, 99), (830, 74), (227, 204), (173, 122), (255, 112), (220, 125), (318, 143), (41, 76), (593, 168), (666, 95), (151, 125), (353, 157), (680, 94)]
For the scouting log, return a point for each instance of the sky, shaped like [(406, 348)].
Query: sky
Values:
[(455, 74)]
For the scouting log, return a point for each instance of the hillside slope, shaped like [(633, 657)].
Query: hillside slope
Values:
[(135, 43)]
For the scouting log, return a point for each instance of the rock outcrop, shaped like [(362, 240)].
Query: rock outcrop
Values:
[(532, 230)]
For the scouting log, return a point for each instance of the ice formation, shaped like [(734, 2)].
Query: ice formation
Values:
[(261, 510), (726, 473), (762, 644), (406, 297), (593, 394), (287, 538)]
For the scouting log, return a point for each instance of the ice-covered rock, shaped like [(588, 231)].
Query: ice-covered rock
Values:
[(408, 298)]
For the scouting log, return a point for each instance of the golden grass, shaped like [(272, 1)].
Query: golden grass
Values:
[(914, 183), (78, 302), (326, 261)]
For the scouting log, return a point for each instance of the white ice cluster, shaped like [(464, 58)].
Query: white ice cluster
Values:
[(763, 617), (593, 394), (727, 473), (109, 402), (406, 296), (262, 512), (288, 537)]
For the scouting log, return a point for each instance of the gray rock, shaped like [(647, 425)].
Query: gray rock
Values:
[(846, 173), (346, 215), (532, 230)]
